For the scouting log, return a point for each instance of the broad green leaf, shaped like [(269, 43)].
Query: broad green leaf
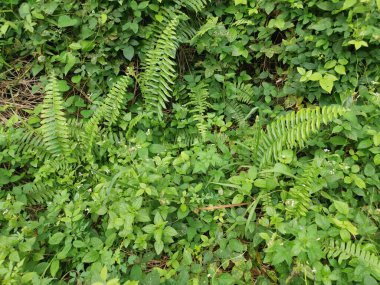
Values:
[(327, 83), (219, 78), (348, 4), (358, 44), (170, 231), (340, 69), (376, 159), (103, 273), (54, 267), (66, 21), (330, 64), (158, 246), (301, 70), (316, 76), (240, 2), (91, 256), (56, 238), (24, 10), (128, 52), (341, 206), (359, 182)]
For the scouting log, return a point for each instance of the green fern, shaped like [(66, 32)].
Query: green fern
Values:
[(159, 69), (291, 130), (239, 102), (199, 105), (195, 5), (209, 25), (110, 108), (108, 111), (36, 193), (299, 200), (54, 127), (348, 250), (31, 142)]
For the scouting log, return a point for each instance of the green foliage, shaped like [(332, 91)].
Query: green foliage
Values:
[(290, 131), (54, 128), (189, 142)]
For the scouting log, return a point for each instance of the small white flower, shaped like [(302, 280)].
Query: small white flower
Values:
[(326, 150), (318, 238), (209, 275)]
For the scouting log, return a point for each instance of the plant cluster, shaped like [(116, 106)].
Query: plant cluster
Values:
[(190, 142)]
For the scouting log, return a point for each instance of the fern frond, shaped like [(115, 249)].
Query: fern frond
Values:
[(299, 200), (133, 123), (54, 128), (195, 5), (235, 111), (348, 250), (185, 32), (292, 130), (244, 93), (243, 22), (108, 111), (31, 142), (239, 101), (37, 193), (198, 101), (159, 69), (209, 25), (187, 137)]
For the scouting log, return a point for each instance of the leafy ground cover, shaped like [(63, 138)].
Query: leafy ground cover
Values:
[(189, 142)]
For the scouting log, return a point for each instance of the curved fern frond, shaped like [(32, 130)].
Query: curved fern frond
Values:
[(299, 199), (239, 101), (209, 25), (133, 123), (235, 111), (348, 250), (108, 111), (159, 69), (187, 137), (31, 142), (198, 101), (292, 130), (54, 127), (37, 193), (195, 5)]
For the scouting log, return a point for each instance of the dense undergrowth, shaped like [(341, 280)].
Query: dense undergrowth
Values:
[(189, 142)]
